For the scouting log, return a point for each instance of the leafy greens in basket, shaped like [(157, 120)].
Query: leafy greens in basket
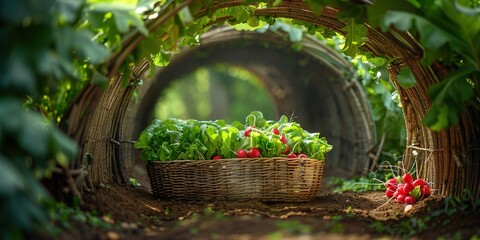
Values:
[(177, 139)]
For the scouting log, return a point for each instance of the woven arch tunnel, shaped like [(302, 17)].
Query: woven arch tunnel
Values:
[(315, 83), (449, 159)]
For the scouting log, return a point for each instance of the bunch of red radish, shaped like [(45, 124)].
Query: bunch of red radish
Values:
[(255, 152), (405, 190)]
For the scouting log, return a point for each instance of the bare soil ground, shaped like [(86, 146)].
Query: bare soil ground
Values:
[(136, 214)]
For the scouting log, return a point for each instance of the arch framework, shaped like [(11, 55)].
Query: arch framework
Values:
[(449, 159), (315, 83)]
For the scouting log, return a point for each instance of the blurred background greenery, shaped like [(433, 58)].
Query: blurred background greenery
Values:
[(213, 92)]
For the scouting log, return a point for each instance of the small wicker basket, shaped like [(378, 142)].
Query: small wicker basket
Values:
[(264, 179)]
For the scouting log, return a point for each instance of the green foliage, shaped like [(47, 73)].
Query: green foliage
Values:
[(355, 37), (48, 52), (63, 217), (448, 32), (384, 101), (405, 78), (29, 149), (176, 139), (360, 184)]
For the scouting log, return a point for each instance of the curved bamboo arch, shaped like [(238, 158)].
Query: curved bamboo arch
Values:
[(449, 159), (342, 113)]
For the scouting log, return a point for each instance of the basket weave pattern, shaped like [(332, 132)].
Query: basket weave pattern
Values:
[(265, 179)]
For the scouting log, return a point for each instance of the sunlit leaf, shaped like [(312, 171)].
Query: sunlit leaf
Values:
[(162, 59), (185, 15)]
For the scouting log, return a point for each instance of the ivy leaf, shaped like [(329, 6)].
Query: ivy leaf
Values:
[(162, 59), (355, 37), (405, 78), (124, 16)]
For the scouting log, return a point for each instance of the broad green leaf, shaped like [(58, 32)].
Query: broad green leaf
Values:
[(19, 74), (60, 143), (10, 179), (437, 118), (33, 137), (355, 37), (376, 12), (448, 99), (88, 49), (405, 78)]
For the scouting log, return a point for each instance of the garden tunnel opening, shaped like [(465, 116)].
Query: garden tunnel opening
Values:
[(315, 84), (218, 91)]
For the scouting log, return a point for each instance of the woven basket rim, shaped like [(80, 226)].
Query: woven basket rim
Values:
[(236, 159)]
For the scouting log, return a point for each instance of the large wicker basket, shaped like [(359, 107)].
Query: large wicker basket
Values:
[(263, 179)]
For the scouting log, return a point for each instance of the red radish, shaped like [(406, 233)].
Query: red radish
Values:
[(292, 155), (419, 182), (389, 193), (407, 178), (254, 153), (407, 188), (276, 131), (287, 150), (426, 191), (395, 194), (217, 157), (302, 155), (283, 140), (242, 154), (248, 131), (401, 191), (409, 200), (391, 183), (401, 198)]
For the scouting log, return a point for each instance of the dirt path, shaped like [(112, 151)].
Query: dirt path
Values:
[(136, 214)]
